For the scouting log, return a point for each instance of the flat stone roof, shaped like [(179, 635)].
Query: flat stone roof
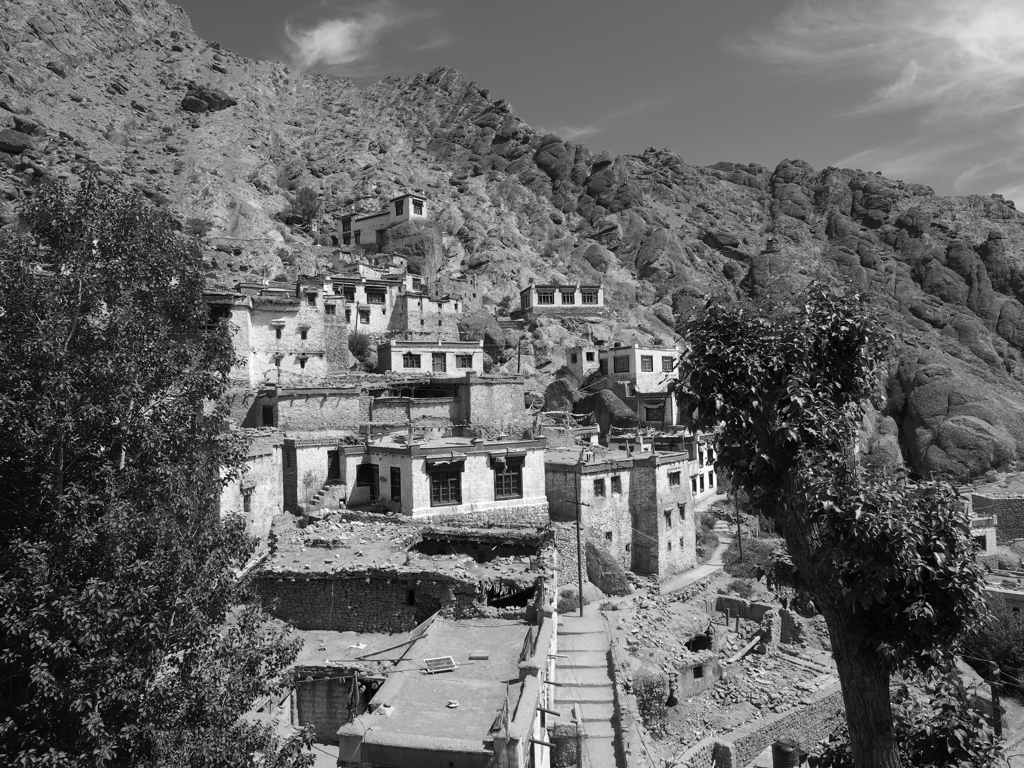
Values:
[(344, 547), (480, 687), (603, 458)]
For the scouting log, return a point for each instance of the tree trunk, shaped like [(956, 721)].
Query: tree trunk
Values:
[(865, 683)]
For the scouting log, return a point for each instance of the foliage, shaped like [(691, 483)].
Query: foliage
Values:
[(305, 203), (740, 588), (757, 553), (361, 346), (116, 574), (707, 539), (200, 227), (569, 600), (1000, 639), (935, 725), (889, 563), (651, 692)]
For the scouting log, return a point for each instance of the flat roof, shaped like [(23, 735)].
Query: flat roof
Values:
[(604, 459), (638, 348), (343, 546), (480, 686), (426, 344)]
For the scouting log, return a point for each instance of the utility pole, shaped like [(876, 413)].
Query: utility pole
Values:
[(579, 529), (997, 718), (739, 533)]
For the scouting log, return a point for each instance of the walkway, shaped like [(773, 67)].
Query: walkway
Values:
[(586, 682), (714, 563)]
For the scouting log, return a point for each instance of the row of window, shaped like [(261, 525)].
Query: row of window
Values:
[(446, 484), (697, 483), (620, 364), (674, 478), (547, 296), (439, 361)]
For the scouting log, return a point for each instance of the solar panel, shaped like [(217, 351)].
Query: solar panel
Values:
[(440, 664)]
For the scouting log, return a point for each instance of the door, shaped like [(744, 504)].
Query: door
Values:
[(367, 477), (333, 465), (440, 362)]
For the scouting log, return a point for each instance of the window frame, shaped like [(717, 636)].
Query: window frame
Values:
[(464, 361), (616, 484), (675, 478), (364, 316), (668, 364), (508, 479), (599, 489), (617, 364), (376, 296), (568, 297), (546, 297), (395, 481), (399, 207), (445, 488), (408, 357), (646, 363), (417, 207), (588, 296), (330, 309)]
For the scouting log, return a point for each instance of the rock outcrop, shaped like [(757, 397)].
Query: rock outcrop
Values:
[(101, 82)]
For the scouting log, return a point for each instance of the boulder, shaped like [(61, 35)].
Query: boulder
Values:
[(605, 571), (203, 98), (14, 142)]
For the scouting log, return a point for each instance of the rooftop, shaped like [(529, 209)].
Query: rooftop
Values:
[(480, 686), (393, 546)]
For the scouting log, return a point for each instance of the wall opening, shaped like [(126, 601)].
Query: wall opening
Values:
[(698, 672), (700, 642), (505, 596)]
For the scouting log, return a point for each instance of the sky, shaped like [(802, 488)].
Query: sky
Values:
[(929, 91)]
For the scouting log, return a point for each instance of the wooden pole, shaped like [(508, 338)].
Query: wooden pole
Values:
[(739, 533), (579, 531), (997, 718)]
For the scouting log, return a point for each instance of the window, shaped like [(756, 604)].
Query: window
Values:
[(508, 478), (693, 483), (590, 357), (668, 364), (348, 315), (396, 484), (277, 332), (646, 363), (616, 484), (346, 239), (311, 299), (417, 207), (589, 296), (675, 478), (268, 415), (599, 487), (346, 224), (302, 362), (364, 316), (399, 207), (682, 511), (330, 309), (701, 483), (603, 366), (463, 361), (574, 358), (368, 476), (621, 364), (302, 333), (277, 360), (668, 518), (545, 296), (358, 233), (711, 479), (445, 488), (568, 297), (410, 597), (376, 296), (608, 536), (698, 672), (654, 414), (417, 284), (349, 291), (438, 362), (409, 360)]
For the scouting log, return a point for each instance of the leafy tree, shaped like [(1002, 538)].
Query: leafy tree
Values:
[(890, 564), (198, 226), (305, 203), (1000, 639), (116, 574)]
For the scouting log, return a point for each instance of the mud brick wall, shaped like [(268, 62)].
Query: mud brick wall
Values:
[(318, 410), (1009, 511), (524, 516), (324, 704), (361, 603), (700, 755)]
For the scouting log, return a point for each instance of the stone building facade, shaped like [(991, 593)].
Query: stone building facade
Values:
[(638, 506), (439, 358), (561, 297), (642, 378), (256, 494), (367, 230)]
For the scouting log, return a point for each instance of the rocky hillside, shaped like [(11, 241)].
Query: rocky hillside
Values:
[(127, 85)]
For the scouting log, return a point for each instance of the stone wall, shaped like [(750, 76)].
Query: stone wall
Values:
[(314, 410), (495, 406), (323, 702), (700, 755), (1009, 511), (806, 725), (565, 545), (257, 494), (365, 603), (745, 609)]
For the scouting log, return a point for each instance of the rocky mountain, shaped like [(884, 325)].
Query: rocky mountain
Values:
[(224, 140)]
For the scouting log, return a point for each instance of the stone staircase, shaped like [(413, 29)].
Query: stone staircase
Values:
[(586, 691), (330, 496)]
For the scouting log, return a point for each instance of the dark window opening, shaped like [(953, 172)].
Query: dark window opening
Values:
[(616, 484), (463, 361), (346, 224), (268, 415), (218, 313), (589, 297), (346, 239), (698, 672), (668, 520), (510, 596), (364, 316), (599, 487), (358, 233), (247, 502), (311, 299), (980, 542), (590, 357), (302, 362), (621, 365), (277, 332), (399, 207), (376, 296), (682, 510), (445, 488), (439, 362), (409, 360), (417, 207), (603, 366), (568, 297), (410, 597), (350, 292), (508, 478), (573, 357), (333, 465), (674, 478), (277, 360), (608, 536), (330, 309), (396, 484), (668, 364), (303, 333), (348, 315), (654, 414)]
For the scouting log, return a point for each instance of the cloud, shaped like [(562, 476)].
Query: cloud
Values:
[(955, 66), (575, 133), (334, 42)]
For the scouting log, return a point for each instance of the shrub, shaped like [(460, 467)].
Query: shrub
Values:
[(1000, 638), (741, 588), (200, 227), (757, 555), (651, 691), (707, 539), (305, 203), (360, 345), (569, 600)]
